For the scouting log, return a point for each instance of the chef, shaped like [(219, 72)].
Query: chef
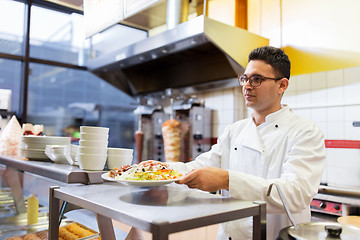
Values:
[(273, 146)]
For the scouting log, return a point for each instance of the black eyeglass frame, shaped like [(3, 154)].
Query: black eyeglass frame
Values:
[(262, 79)]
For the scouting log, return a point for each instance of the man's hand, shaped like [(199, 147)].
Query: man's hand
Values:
[(207, 179)]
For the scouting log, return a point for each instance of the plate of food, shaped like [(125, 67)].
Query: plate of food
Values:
[(145, 174)]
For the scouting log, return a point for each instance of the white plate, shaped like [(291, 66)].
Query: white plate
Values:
[(139, 183)]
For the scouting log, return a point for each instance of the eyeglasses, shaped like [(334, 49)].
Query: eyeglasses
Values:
[(255, 80)]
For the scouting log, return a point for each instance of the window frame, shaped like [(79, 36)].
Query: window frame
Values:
[(26, 59)]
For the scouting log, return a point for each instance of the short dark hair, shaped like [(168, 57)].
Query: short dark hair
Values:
[(275, 57)]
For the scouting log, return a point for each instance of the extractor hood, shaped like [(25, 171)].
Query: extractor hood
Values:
[(198, 51)]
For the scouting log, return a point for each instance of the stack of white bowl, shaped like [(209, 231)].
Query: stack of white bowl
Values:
[(33, 147), (118, 157), (93, 147)]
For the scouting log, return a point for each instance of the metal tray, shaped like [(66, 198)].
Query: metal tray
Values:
[(40, 230)]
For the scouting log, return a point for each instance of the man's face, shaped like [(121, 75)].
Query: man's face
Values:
[(266, 97)]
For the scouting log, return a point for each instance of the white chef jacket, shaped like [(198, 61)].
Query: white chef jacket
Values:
[(286, 149)]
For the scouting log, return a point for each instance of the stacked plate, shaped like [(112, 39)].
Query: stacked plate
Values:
[(74, 155), (33, 147), (58, 153), (93, 147)]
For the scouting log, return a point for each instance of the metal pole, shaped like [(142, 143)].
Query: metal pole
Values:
[(25, 67)]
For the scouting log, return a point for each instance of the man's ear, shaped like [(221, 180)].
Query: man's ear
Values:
[(283, 85)]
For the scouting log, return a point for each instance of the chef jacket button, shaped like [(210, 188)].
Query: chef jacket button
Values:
[(276, 126), (235, 148)]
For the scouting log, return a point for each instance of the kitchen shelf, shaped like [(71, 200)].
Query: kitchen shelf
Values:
[(60, 172)]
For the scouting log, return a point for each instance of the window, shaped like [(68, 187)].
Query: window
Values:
[(61, 97), (57, 36), (10, 74), (11, 35)]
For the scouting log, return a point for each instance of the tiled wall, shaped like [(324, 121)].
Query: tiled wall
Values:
[(330, 99), (227, 105)]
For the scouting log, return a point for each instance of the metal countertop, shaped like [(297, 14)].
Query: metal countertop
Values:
[(61, 172), (176, 206)]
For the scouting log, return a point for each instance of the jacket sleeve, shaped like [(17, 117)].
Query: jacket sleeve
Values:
[(300, 175)]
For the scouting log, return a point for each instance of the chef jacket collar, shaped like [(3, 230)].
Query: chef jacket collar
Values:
[(253, 139), (250, 137), (272, 117)]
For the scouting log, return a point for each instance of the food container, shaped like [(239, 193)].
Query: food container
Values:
[(68, 230)]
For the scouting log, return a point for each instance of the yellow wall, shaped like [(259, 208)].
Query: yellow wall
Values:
[(318, 35), (331, 24)]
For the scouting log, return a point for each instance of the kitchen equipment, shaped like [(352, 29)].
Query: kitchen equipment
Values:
[(196, 128), (333, 202), (152, 116), (219, 52), (352, 220), (314, 230), (139, 141)]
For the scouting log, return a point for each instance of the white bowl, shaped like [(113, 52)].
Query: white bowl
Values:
[(91, 143), (117, 161), (94, 136), (120, 151), (94, 130), (92, 161), (92, 150)]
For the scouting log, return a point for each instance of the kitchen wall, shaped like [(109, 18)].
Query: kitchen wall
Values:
[(227, 105), (332, 100), (330, 24)]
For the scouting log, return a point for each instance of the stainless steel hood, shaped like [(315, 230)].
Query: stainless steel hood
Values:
[(198, 51)]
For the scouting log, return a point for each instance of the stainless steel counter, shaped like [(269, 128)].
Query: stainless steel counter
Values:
[(159, 210), (61, 172)]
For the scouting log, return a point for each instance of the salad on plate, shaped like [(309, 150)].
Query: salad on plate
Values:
[(145, 171)]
